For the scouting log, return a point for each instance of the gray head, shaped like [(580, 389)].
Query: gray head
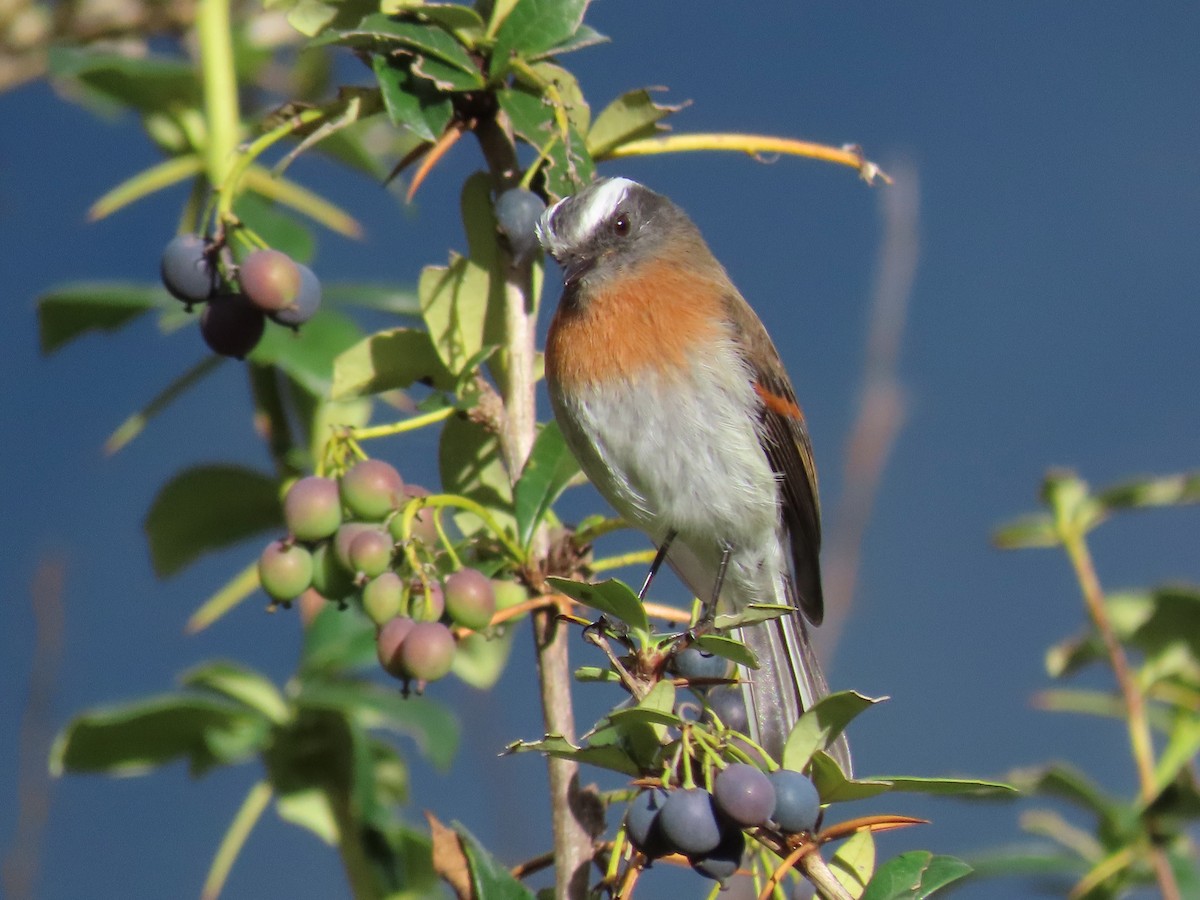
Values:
[(610, 225)]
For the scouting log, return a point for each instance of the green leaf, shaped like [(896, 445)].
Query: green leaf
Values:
[(632, 116), (411, 102), (611, 597), (1070, 501), (1183, 744), (1067, 783), (426, 721), (205, 508), (240, 684), (955, 787), (335, 642), (752, 614), (145, 83), (1033, 530), (585, 36), (728, 648), (479, 660), (308, 355), (548, 470), (833, 785), (533, 27), (1168, 490), (819, 727), (443, 76), (914, 875), (454, 304), (489, 878), (608, 756), (425, 39), (568, 165), (71, 310), (134, 738), (854, 861), (388, 360)]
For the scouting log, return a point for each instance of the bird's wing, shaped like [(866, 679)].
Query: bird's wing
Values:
[(785, 441)]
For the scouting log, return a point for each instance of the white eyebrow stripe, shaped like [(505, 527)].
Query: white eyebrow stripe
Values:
[(599, 206)]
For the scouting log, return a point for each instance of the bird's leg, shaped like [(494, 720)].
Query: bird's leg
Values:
[(657, 564), (708, 610)]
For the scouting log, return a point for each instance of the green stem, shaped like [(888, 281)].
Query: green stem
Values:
[(243, 823), (221, 112), (378, 431)]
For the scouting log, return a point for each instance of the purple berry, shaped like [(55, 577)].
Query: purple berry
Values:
[(231, 325), (797, 804), (641, 822), (744, 794), (187, 270), (388, 642), (270, 279), (427, 652), (689, 822), (306, 303)]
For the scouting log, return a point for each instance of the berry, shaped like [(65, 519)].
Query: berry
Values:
[(722, 863), (470, 600), (307, 301), (370, 553), (372, 489), (187, 271), (285, 570), (311, 603), (270, 279), (231, 325), (344, 537), (423, 527), (744, 795), (689, 823), (641, 822), (330, 577), (727, 703), (383, 597), (508, 593), (696, 664), (427, 653), (797, 804), (388, 642), (427, 607), (517, 213), (312, 508)]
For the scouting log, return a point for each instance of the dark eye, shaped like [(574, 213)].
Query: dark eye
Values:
[(620, 225)]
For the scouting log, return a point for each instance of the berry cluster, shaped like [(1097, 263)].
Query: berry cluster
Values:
[(708, 828), (269, 284), (345, 542)]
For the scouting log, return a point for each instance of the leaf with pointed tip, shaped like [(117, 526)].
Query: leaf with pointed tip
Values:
[(117, 80), (136, 423), (1168, 490), (833, 785), (1035, 530), (607, 756), (632, 116), (411, 102), (585, 36), (727, 648), (818, 727), (854, 861), (914, 875), (240, 684), (957, 787), (205, 508), (489, 877), (611, 597), (134, 738), (72, 310)]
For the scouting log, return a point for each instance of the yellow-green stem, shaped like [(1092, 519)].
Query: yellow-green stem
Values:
[(243, 823), (379, 431), (221, 113), (1093, 597)]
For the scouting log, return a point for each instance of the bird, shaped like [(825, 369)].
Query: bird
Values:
[(675, 402)]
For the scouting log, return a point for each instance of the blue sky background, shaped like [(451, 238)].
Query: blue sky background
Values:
[(1053, 322)]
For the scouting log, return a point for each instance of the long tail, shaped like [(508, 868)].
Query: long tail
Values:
[(788, 681)]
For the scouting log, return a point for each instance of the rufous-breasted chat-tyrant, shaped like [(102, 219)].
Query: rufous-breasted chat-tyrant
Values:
[(673, 398)]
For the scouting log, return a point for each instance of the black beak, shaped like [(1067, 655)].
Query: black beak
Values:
[(575, 267)]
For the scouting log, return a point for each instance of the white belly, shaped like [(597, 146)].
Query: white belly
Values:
[(689, 462)]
